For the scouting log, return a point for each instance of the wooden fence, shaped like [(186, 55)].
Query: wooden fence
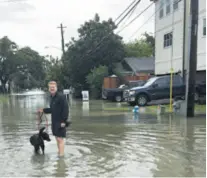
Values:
[(114, 82)]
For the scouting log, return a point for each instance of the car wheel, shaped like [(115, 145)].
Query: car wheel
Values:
[(196, 97), (118, 98), (142, 100)]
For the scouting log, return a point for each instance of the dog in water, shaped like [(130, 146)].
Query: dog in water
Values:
[(37, 140)]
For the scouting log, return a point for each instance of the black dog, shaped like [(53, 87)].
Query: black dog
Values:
[(37, 140)]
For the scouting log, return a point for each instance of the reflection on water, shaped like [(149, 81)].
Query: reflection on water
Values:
[(85, 108), (102, 143), (60, 168)]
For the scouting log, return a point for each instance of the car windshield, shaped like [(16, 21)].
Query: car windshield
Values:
[(133, 84), (136, 84), (150, 81)]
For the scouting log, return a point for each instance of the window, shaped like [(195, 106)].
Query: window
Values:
[(168, 9), (168, 40), (175, 4), (168, 6), (204, 27), (177, 80), (162, 82), (161, 11)]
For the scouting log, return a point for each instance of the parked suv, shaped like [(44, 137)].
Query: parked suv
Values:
[(117, 94), (159, 88)]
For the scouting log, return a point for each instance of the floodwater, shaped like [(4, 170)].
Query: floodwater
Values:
[(102, 143)]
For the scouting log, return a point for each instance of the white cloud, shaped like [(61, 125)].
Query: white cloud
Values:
[(34, 22)]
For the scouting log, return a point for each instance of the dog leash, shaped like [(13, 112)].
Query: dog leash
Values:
[(46, 123), (40, 121)]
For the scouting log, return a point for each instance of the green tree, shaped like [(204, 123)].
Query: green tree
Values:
[(95, 80), (143, 47), (55, 72), (150, 39), (31, 69), (8, 65), (97, 45)]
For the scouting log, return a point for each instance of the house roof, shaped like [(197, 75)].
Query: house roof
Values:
[(143, 64), (119, 67)]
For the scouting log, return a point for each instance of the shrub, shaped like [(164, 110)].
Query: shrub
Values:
[(95, 80)]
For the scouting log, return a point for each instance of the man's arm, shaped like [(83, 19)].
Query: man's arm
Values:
[(47, 110), (65, 109)]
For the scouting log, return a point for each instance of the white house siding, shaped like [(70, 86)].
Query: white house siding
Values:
[(171, 57), (201, 54)]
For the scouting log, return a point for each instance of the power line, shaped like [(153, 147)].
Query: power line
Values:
[(135, 17), (141, 27), (129, 16), (128, 12), (125, 10), (132, 12), (148, 21), (201, 18), (98, 45)]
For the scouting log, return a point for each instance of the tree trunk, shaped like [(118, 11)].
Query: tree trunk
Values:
[(3, 88), (9, 86), (3, 84), (110, 69)]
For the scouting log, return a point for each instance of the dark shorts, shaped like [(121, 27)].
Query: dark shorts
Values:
[(58, 131)]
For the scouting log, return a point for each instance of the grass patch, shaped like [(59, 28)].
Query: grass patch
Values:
[(118, 109), (152, 109), (3, 98), (201, 108), (198, 108)]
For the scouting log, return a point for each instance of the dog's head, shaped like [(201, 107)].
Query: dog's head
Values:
[(44, 135)]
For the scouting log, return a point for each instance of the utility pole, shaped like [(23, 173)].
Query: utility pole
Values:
[(193, 59), (185, 20), (62, 37), (186, 52)]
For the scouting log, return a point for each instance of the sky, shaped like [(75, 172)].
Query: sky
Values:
[(34, 23)]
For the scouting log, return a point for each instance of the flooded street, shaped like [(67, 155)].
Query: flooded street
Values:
[(102, 143)]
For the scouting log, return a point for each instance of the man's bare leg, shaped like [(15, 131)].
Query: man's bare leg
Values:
[(60, 146)]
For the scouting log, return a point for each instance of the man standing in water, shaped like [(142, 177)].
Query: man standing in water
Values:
[(59, 113)]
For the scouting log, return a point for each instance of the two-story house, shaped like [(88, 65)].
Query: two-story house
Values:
[(169, 35)]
